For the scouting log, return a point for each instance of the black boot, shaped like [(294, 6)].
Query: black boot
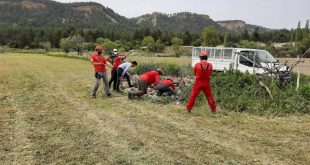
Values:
[(130, 95)]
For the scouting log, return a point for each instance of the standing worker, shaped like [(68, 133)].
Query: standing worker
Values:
[(122, 71), (165, 86), (145, 81), (99, 63), (112, 56), (202, 71), (117, 62)]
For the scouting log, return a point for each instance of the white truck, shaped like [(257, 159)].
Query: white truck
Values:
[(254, 61)]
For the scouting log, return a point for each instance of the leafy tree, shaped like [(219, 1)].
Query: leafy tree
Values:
[(306, 30), (256, 36), (46, 45), (197, 42), (226, 39), (149, 42), (109, 45), (248, 44), (176, 43), (65, 44), (89, 46), (304, 45), (159, 46), (245, 35), (210, 37), (187, 39), (77, 43)]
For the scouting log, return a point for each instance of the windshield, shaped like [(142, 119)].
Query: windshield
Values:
[(265, 57)]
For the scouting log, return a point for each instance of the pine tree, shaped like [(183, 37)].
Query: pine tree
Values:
[(298, 33)]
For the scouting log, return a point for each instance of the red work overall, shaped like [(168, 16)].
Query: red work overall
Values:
[(202, 71)]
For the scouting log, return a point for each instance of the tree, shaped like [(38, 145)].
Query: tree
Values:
[(303, 45), (306, 30), (226, 39), (65, 44), (210, 37), (256, 36), (245, 35), (109, 45), (149, 42), (75, 42), (46, 45), (298, 33), (187, 38), (176, 43), (159, 46)]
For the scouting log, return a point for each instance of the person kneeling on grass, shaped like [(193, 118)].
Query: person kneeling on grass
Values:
[(99, 63), (165, 87), (202, 71), (122, 71), (145, 81)]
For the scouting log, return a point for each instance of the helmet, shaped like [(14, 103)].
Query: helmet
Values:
[(160, 70), (114, 50), (98, 47), (203, 54)]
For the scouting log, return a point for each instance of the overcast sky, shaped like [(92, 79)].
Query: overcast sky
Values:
[(269, 13)]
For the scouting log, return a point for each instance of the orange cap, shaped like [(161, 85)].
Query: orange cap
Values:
[(203, 54), (98, 47)]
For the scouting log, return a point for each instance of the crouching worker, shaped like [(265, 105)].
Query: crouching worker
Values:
[(99, 63), (165, 87), (202, 71), (145, 81), (122, 71)]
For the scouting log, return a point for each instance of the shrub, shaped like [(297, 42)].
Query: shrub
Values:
[(241, 92), (171, 69)]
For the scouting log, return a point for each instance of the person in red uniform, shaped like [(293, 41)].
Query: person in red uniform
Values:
[(145, 81), (165, 86), (117, 61), (99, 63), (202, 71)]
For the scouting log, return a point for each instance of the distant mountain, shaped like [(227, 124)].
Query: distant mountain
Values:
[(238, 25), (42, 13), (176, 22), (85, 15)]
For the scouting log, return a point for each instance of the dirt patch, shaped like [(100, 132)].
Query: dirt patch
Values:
[(32, 5), (88, 9), (304, 67)]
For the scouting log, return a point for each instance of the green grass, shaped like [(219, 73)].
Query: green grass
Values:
[(48, 117)]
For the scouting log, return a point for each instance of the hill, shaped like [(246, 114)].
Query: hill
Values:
[(84, 15), (239, 25), (177, 22), (47, 13)]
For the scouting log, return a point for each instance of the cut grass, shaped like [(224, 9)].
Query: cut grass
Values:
[(48, 117)]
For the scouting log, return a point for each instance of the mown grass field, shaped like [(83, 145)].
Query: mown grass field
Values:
[(48, 117)]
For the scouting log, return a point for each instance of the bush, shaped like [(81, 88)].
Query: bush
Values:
[(171, 69), (241, 92)]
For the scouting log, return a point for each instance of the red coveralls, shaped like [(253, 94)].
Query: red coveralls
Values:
[(151, 77), (202, 71)]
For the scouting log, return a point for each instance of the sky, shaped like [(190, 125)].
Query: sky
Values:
[(274, 14)]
